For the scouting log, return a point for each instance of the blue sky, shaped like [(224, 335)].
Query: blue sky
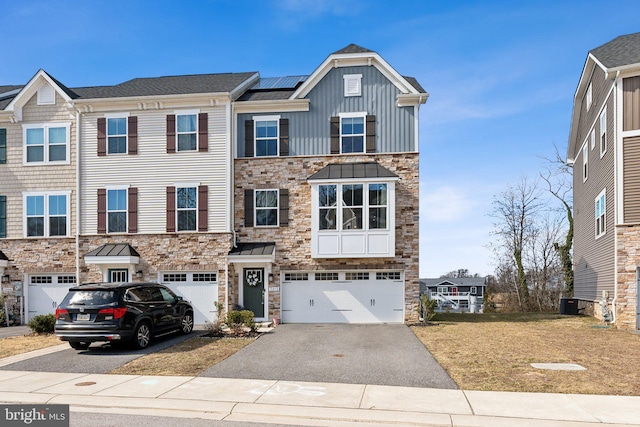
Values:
[(501, 75)]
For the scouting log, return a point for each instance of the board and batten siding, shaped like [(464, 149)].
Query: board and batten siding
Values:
[(594, 259), (17, 178), (309, 132), (631, 103), (152, 170), (631, 174)]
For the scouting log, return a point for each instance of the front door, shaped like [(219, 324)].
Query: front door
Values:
[(118, 275), (253, 291)]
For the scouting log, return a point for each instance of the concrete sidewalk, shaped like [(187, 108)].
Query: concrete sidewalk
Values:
[(313, 404)]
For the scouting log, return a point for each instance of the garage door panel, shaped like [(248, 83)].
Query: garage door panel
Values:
[(201, 294), (368, 301)]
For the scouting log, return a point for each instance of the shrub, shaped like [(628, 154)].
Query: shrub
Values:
[(428, 308), (42, 323), (241, 318)]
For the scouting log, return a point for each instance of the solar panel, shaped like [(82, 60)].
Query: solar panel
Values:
[(286, 82)]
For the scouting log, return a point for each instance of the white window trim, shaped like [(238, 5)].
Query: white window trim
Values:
[(358, 86), (190, 112), (589, 96), (603, 132), (45, 195), (126, 132), (593, 139), (364, 130), (255, 208), (257, 119), (599, 234), (46, 127), (179, 185), (126, 217), (585, 163)]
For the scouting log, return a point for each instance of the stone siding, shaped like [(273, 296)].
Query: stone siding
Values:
[(628, 252), (31, 256), (293, 242)]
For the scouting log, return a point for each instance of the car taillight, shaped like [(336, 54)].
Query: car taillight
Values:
[(115, 312), (61, 312)]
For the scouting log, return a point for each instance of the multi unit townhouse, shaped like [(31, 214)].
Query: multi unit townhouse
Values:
[(294, 197), (604, 147)]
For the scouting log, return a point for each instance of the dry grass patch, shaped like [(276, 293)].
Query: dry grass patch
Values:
[(188, 358), (11, 346), (495, 352)]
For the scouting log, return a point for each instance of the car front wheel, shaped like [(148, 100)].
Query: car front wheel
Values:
[(187, 323), (142, 337)]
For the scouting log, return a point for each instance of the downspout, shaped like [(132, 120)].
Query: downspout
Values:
[(77, 196), (617, 150)]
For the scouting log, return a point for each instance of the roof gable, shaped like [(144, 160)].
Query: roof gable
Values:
[(30, 89), (354, 55), (619, 52)]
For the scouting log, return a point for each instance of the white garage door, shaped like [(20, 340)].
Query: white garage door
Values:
[(199, 288), (46, 292), (342, 297)]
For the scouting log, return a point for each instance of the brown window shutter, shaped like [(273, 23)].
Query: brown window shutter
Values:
[(284, 207), (248, 208), (335, 135), (132, 134), (203, 208), (102, 211), (371, 134), (171, 133), (102, 136), (133, 210), (171, 209), (248, 138), (203, 132), (284, 137)]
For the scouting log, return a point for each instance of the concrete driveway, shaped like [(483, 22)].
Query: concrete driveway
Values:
[(354, 354)]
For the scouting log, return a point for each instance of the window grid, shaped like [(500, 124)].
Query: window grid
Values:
[(204, 277), (357, 275), (352, 134), (290, 277), (117, 135), (266, 138), (39, 280), (187, 132), (601, 213), (46, 144), (266, 208), (117, 211), (187, 208), (66, 279), (326, 276), (388, 275), (46, 215), (174, 277)]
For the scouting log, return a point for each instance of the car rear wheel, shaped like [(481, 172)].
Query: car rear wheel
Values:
[(142, 337), (186, 325), (79, 345)]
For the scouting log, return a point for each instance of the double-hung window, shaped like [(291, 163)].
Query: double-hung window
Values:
[(117, 135), (352, 133), (327, 203), (46, 214), (601, 214), (266, 136), (266, 208), (352, 206), (603, 132), (187, 132), (48, 143), (117, 210), (187, 208), (585, 163)]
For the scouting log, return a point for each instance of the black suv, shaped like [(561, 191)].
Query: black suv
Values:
[(133, 312)]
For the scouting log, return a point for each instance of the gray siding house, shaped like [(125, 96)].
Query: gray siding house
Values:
[(604, 148), (459, 294)]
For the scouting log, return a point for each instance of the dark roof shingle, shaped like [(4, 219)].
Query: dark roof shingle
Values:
[(623, 50)]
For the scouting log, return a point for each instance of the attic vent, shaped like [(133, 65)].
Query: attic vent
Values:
[(46, 95), (352, 85)]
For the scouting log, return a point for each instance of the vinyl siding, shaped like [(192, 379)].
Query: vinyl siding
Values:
[(601, 87), (152, 170), (309, 132), (594, 258), (17, 178)]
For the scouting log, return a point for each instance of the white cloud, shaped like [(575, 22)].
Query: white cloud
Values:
[(444, 204)]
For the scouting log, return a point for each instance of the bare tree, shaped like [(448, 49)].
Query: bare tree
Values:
[(515, 211), (559, 179)]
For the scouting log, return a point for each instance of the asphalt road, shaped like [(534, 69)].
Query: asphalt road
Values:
[(100, 358), (353, 354)]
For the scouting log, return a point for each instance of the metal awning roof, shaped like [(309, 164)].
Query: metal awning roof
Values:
[(253, 252), (352, 171), (113, 253)]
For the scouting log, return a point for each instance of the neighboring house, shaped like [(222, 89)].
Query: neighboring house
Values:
[(294, 197), (37, 191), (326, 194), (604, 147), (460, 294)]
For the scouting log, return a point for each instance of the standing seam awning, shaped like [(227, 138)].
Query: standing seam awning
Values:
[(113, 253)]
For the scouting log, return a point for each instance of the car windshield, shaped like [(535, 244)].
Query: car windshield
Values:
[(95, 297)]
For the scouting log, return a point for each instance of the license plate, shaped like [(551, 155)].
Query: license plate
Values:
[(83, 316)]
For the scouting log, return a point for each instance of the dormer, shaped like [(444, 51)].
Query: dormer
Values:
[(45, 88)]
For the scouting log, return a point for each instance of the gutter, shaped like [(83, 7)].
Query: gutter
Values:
[(616, 84), (77, 196)]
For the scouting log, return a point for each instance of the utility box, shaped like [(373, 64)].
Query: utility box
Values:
[(569, 306)]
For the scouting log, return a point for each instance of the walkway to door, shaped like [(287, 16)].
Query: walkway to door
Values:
[(337, 353)]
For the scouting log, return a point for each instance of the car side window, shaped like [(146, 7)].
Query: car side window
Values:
[(167, 295), (135, 295), (155, 294)]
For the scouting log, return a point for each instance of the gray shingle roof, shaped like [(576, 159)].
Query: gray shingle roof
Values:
[(623, 50), (352, 170), (413, 82), (253, 249), (114, 249), (352, 48)]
